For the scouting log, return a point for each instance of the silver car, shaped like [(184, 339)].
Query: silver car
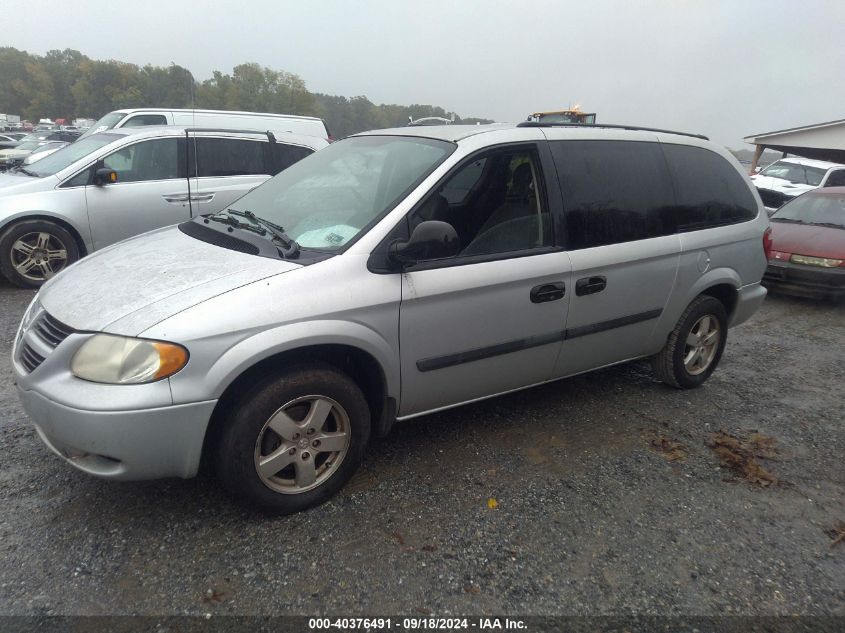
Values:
[(113, 185), (390, 275)]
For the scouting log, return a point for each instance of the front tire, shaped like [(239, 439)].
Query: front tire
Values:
[(293, 440), (33, 251), (695, 346)]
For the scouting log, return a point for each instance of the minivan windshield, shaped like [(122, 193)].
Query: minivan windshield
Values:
[(105, 123), (819, 209), (67, 156), (327, 199), (795, 173)]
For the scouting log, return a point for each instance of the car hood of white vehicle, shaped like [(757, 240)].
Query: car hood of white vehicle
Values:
[(780, 185), (130, 286)]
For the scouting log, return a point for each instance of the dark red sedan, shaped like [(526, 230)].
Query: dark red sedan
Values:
[(807, 256)]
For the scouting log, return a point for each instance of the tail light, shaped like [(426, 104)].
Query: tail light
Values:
[(767, 243)]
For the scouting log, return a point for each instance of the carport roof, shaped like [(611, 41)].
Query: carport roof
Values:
[(822, 141)]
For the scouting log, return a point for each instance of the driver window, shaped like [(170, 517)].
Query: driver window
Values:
[(494, 204), (156, 159)]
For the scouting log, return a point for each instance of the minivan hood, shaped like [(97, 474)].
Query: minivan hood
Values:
[(132, 285)]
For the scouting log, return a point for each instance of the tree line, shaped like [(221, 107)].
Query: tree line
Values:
[(67, 84)]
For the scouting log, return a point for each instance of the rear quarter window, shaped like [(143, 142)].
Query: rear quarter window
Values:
[(220, 157), (709, 191), (613, 191)]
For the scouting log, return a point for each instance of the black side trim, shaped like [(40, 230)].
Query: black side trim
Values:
[(594, 328), (439, 362), (450, 360)]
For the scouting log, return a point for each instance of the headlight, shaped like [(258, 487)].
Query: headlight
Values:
[(119, 360), (807, 260)]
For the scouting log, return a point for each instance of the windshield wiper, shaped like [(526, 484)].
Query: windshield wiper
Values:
[(24, 170), (832, 225), (233, 222), (792, 220), (291, 248)]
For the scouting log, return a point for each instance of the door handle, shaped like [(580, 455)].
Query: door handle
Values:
[(205, 197), (181, 197), (590, 285), (548, 292)]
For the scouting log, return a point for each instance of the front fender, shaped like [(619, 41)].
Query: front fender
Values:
[(266, 343)]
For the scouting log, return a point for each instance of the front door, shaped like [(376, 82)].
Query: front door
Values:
[(492, 318), (151, 191)]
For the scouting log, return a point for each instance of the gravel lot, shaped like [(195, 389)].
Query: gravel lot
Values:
[(611, 500)]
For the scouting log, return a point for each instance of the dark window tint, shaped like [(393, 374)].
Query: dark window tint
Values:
[(140, 120), (216, 157), (614, 191), (709, 191), (156, 159), (460, 185), (836, 179), (287, 155)]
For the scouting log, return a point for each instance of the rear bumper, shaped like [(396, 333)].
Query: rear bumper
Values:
[(805, 281), (749, 300), (123, 445)]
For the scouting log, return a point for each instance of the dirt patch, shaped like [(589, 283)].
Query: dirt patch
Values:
[(740, 454), (673, 451)]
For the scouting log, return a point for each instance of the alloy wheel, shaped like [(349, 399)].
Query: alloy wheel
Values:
[(702, 343), (302, 444), (38, 256)]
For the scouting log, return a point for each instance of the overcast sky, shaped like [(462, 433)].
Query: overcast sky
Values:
[(725, 68)]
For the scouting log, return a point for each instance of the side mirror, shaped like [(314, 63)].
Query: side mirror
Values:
[(105, 176), (431, 239)]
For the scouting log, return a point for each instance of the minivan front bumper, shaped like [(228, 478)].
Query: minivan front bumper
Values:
[(123, 445)]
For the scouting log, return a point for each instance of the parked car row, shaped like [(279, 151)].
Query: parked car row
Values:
[(16, 151)]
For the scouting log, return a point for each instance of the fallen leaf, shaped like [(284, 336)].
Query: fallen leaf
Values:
[(472, 589), (492, 503), (837, 534), (671, 450)]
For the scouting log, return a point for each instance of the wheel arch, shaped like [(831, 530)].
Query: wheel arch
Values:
[(30, 216), (359, 364)]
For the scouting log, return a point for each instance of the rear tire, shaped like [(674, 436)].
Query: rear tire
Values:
[(695, 345), (33, 251), (293, 440)]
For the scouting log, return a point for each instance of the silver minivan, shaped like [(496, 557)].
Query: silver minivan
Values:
[(393, 274), (113, 185)]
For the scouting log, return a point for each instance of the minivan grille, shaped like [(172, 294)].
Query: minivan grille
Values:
[(29, 358), (50, 332)]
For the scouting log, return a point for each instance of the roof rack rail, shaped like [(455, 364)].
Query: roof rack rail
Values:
[(608, 125)]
